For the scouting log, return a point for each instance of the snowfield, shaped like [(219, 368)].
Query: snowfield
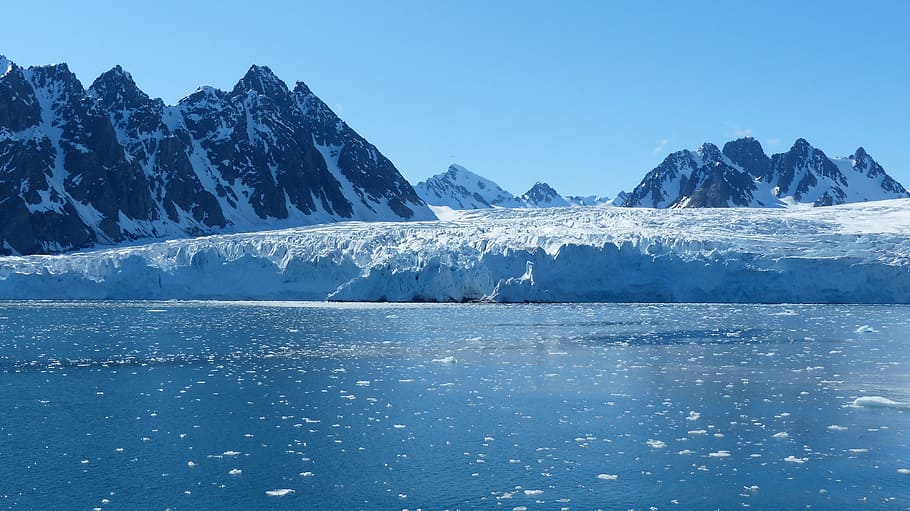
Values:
[(856, 253)]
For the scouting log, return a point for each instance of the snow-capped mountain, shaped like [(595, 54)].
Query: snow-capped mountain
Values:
[(108, 164), (596, 200), (854, 253), (542, 195), (459, 188), (742, 175)]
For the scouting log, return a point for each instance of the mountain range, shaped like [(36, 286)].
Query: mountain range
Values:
[(109, 164), (459, 188), (742, 175)]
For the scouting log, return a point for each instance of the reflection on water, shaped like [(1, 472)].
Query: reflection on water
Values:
[(141, 405)]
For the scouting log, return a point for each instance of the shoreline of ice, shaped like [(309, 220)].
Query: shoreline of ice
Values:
[(857, 253)]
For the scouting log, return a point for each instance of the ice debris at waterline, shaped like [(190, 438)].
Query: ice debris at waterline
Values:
[(857, 253), (878, 402)]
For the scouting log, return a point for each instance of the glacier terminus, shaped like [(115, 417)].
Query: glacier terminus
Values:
[(854, 253)]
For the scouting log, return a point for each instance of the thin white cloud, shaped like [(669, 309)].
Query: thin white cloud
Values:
[(773, 141), (661, 146), (742, 132)]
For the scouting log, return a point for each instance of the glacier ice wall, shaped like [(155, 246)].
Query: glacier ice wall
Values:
[(857, 253)]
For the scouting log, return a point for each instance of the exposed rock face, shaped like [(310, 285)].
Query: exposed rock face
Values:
[(701, 178), (744, 176), (108, 164), (542, 195)]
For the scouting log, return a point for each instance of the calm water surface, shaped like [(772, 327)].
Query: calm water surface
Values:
[(188, 405)]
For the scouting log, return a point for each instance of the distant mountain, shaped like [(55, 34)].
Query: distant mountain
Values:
[(109, 164), (459, 188), (542, 195), (742, 175), (597, 200)]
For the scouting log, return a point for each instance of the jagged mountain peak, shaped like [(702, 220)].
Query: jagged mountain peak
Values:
[(542, 195), (748, 144), (455, 169), (56, 74), (460, 188), (542, 188), (709, 152), (802, 148), (263, 81), (745, 176), (863, 162), (748, 153), (116, 87), (204, 93), (108, 165), (301, 88)]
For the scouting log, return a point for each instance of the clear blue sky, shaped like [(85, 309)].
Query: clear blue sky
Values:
[(587, 96)]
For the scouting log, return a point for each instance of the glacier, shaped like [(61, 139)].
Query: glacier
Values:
[(853, 253)]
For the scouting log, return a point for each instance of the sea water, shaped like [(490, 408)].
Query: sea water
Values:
[(197, 405)]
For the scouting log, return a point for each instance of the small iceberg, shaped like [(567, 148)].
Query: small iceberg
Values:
[(281, 492), (878, 402)]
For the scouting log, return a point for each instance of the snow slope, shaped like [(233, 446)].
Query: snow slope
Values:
[(856, 253), (459, 188)]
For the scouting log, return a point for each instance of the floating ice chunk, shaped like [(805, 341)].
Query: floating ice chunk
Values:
[(656, 444), (608, 477), (685, 452), (693, 416), (532, 493), (905, 471), (698, 432), (231, 453), (754, 487), (835, 427), (878, 402), (794, 459), (445, 360), (235, 472), (280, 492), (398, 426), (780, 436), (306, 474), (719, 454), (858, 451), (191, 464), (866, 329)]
